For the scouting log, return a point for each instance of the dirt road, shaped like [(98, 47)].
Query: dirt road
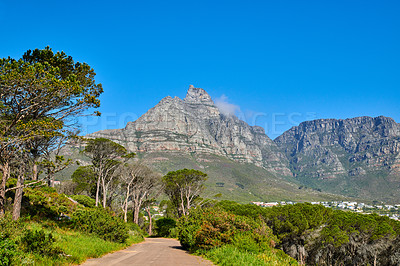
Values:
[(154, 251)]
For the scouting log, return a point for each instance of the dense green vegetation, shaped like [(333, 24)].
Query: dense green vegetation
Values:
[(54, 230), (230, 239), (317, 235)]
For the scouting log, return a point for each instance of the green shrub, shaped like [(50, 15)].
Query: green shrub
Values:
[(10, 231), (46, 202), (11, 228), (135, 230), (37, 241), (8, 251), (84, 200), (164, 227), (214, 227), (102, 223), (232, 255)]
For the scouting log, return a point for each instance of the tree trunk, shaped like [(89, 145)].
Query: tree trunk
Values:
[(104, 188), (4, 179), (35, 172), (150, 225), (97, 191), (51, 179), (126, 205), (136, 210), (18, 198), (183, 213)]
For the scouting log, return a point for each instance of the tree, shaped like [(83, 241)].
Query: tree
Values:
[(106, 157), (147, 206), (183, 187), (140, 184), (41, 95), (85, 179)]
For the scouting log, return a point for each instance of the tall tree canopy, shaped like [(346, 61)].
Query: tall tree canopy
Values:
[(41, 94), (183, 187), (106, 157)]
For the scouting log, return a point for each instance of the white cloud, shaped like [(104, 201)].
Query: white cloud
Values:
[(226, 107)]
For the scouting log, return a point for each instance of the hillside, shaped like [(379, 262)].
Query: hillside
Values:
[(359, 157)]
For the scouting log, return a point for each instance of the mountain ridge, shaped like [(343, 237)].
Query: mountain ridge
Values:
[(358, 157), (195, 124)]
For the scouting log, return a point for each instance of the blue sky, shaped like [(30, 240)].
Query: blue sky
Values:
[(277, 62)]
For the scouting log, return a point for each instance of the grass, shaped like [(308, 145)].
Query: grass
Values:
[(77, 246), (230, 255)]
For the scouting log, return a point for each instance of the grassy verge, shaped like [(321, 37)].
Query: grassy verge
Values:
[(230, 255), (76, 245)]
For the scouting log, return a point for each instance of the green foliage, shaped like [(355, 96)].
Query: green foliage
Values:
[(326, 235), (85, 179), (84, 200), (46, 202), (103, 150), (164, 226), (214, 227), (101, 223), (373, 227), (183, 187), (10, 228), (8, 251), (39, 242), (134, 229), (231, 255), (291, 221), (51, 89), (169, 209), (10, 231)]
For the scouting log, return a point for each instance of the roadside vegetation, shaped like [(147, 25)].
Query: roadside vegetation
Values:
[(53, 230)]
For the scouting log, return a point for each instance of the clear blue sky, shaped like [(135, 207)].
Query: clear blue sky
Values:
[(281, 62)]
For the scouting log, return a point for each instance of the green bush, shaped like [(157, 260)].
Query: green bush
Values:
[(214, 227), (37, 241), (11, 228), (8, 251), (84, 200), (164, 227), (46, 202), (102, 223), (232, 255), (10, 231)]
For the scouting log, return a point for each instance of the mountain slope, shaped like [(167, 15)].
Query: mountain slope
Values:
[(357, 157)]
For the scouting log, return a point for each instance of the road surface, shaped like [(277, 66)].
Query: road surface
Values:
[(153, 251)]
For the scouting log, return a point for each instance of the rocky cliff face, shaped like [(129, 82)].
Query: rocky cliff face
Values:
[(351, 148), (195, 125)]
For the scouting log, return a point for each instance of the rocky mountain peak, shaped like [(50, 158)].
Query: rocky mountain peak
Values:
[(198, 95), (195, 125)]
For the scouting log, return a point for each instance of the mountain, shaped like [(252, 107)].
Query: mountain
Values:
[(357, 157), (242, 162), (195, 125)]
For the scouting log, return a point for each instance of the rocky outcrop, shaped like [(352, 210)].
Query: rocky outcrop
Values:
[(195, 125), (352, 148)]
